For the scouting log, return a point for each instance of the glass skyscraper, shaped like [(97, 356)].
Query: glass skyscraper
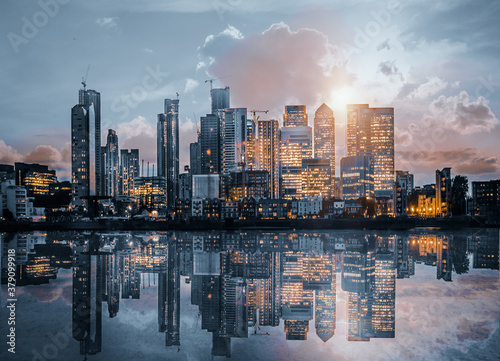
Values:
[(370, 132), (168, 148), (86, 147)]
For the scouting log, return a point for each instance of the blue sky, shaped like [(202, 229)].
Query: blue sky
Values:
[(436, 63)]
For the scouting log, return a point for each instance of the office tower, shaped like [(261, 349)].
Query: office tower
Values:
[(195, 157), (129, 170), (270, 293), (269, 153), (324, 137), (233, 137), (403, 188), (206, 186), (220, 99), (316, 178), (168, 149), (384, 294), (35, 177), (353, 115), (86, 147), (486, 198), (370, 132), (295, 116), (150, 192), (443, 189), (250, 183), (356, 177), (209, 144), (185, 185), (296, 144), (110, 163), (172, 299), (296, 302)]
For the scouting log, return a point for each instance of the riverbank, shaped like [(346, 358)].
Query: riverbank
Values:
[(382, 223)]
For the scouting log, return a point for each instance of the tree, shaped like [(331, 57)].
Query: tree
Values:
[(368, 207), (7, 214), (457, 197)]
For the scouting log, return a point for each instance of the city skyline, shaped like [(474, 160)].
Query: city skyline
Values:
[(426, 76)]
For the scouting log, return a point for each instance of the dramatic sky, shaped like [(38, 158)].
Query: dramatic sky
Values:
[(435, 62)]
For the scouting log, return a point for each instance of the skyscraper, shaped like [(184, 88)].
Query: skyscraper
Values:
[(295, 116), (220, 99), (168, 149), (370, 132), (324, 137), (296, 144), (356, 176), (209, 144), (86, 147), (110, 163), (443, 189), (233, 137), (316, 178), (195, 157), (129, 170), (269, 153)]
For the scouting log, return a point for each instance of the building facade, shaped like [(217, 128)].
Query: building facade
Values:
[(370, 132), (269, 153), (296, 144), (324, 137), (316, 178), (168, 148), (357, 178)]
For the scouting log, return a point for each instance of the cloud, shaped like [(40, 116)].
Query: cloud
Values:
[(466, 161), (254, 68), (191, 84), (432, 86), (107, 23), (215, 45), (384, 45), (389, 69), (461, 114), (9, 154), (138, 134), (148, 50), (480, 165)]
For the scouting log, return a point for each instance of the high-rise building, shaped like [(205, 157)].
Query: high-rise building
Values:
[(168, 149), (324, 137), (443, 189), (220, 99), (402, 189), (316, 178), (370, 132), (150, 192), (195, 157), (86, 147), (129, 170), (209, 144), (111, 164), (486, 198), (269, 153), (295, 116), (356, 176), (233, 137), (250, 183), (296, 144), (35, 177)]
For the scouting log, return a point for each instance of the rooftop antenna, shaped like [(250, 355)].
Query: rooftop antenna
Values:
[(177, 95), (84, 79)]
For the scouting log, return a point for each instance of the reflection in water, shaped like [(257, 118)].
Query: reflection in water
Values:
[(243, 283)]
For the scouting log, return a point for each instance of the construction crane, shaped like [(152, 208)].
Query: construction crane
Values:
[(254, 112), (84, 79), (211, 82)]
